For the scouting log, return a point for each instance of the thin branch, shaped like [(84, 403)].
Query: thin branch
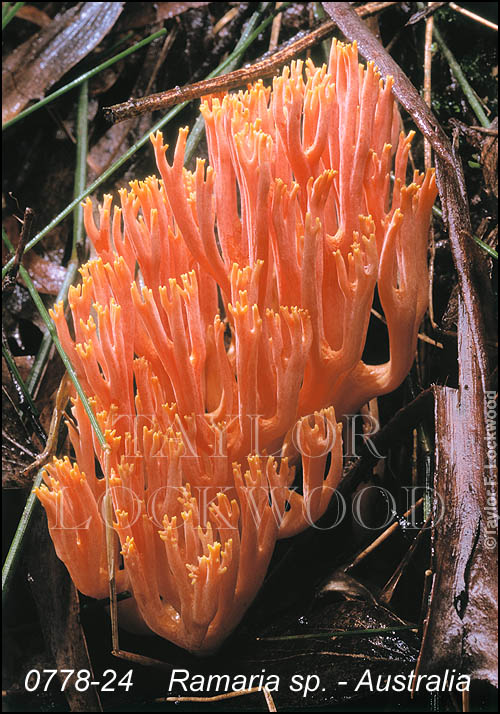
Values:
[(473, 16), (392, 583), (225, 20), (333, 634), (232, 80), (63, 394), (491, 131), (424, 12), (429, 26), (383, 536), (9, 280), (275, 30), (421, 335), (228, 695), (424, 606)]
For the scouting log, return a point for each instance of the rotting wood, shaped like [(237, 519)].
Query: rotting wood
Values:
[(460, 628)]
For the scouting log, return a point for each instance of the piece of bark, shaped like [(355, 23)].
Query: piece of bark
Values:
[(461, 630), (42, 60), (489, 161)]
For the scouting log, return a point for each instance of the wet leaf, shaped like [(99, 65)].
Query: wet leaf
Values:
[(346, 586), (46, 275), (166, 10), (34, 14), (146, 13), (109, 147), (39, 62), (329, 659)]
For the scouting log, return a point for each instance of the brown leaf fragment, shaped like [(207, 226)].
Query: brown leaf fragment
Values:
[(425, 13), (34, 14), (346, 586), (47, 276), (140, 14), (109, 146), (166, 10), (17, 448), (42, 60)]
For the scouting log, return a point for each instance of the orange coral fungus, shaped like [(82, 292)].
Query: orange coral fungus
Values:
[(220, 329)]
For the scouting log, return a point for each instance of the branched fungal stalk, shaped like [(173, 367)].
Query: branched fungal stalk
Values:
[(220, 330)]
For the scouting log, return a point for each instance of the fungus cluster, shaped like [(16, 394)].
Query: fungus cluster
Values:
[(219, 331)]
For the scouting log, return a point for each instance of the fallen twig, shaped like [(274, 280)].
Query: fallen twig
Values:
[(232, 80)]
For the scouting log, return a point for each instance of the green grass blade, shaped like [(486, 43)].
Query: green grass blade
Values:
[(10, 13), (12, 558)]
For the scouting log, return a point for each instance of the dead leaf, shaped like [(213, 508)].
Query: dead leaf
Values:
[(46, 275), (18, 449), (35, 15), (343, 584), (109, 146), (39, 62), (166, 10), (331, 659), (140, 14)]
